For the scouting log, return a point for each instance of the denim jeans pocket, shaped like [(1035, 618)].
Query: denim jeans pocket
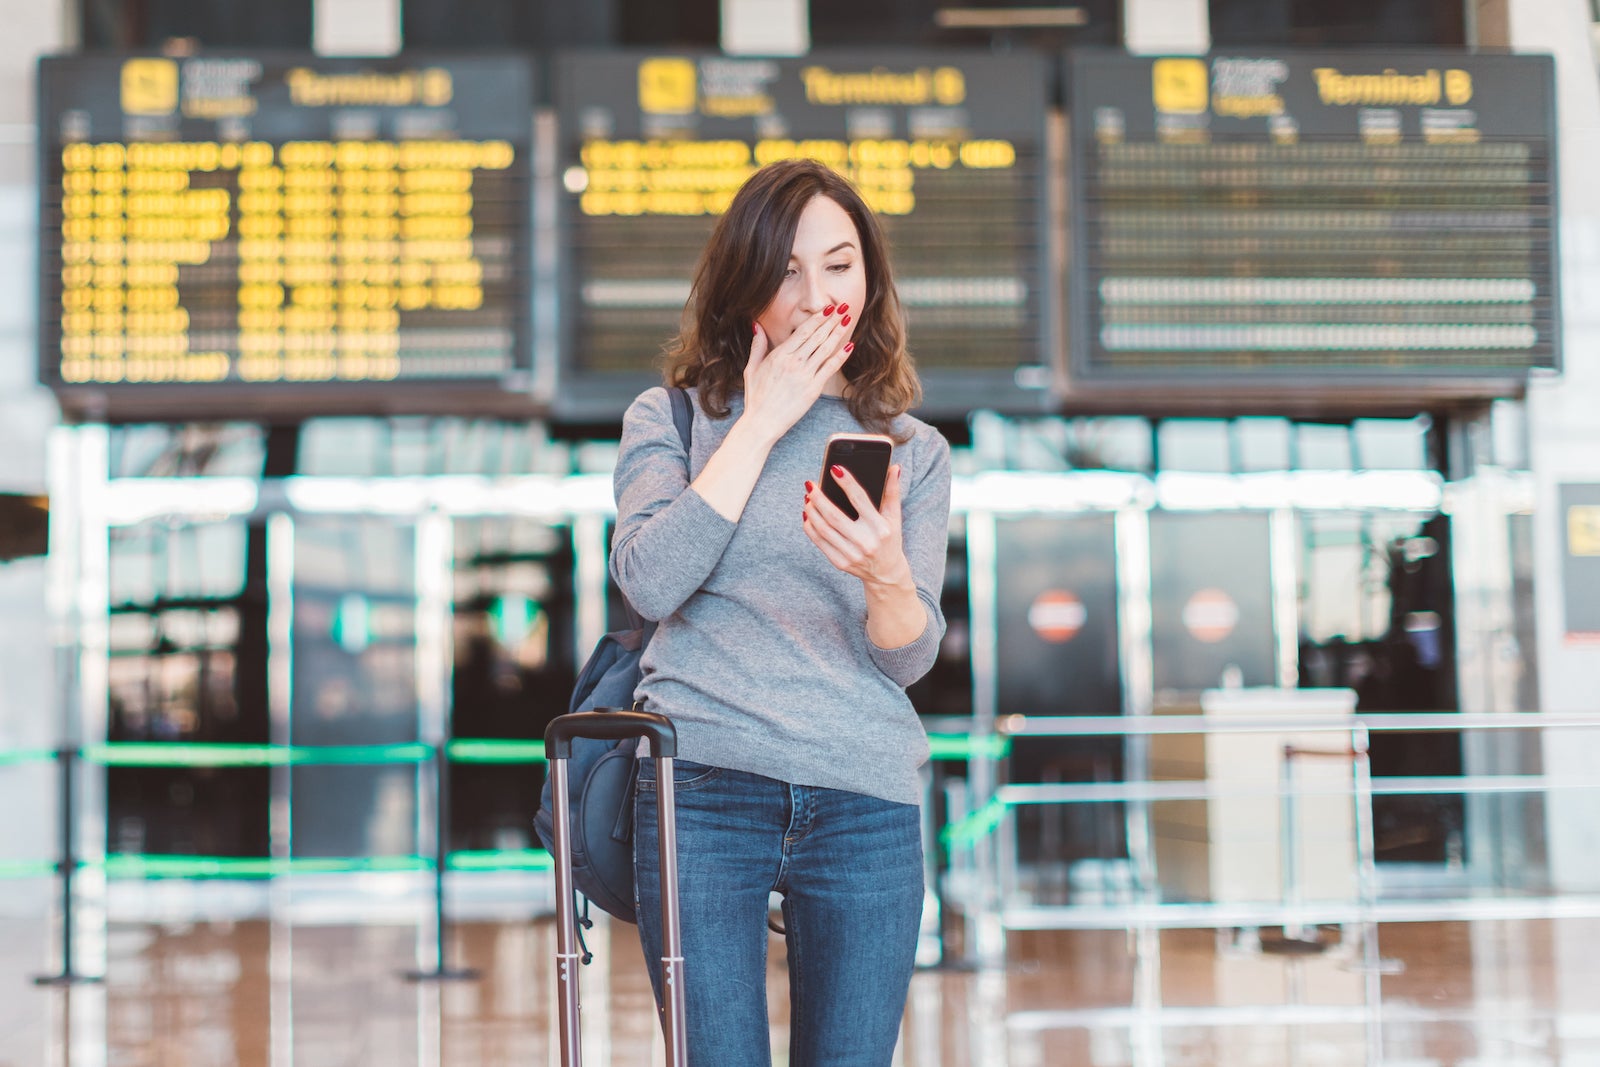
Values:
[(686, 774)]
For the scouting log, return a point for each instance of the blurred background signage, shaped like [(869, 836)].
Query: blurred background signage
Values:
[(284, 234), (1580, 527), (1305, 233), (946, 146), (1312, 223)]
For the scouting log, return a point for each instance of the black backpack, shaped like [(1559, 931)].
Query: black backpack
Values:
[(601, 774)]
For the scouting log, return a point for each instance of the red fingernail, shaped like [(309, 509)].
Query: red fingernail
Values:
[(828, 310), (809, 487), (843, 308), (845, 321), (849, 346), (836, 470), (805, 517), (754, 329)]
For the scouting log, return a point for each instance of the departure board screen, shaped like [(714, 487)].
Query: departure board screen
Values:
[(285, 234), (947, 148), (1312, 222)]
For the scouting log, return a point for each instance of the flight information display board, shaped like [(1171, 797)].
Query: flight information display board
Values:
[(1336, 224), (947, 147), (281, 235)]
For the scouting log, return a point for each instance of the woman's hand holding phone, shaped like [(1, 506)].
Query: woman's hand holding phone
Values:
[(868, 547), (781, 382)]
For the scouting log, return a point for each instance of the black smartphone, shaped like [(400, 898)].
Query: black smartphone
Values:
[(864, 455)]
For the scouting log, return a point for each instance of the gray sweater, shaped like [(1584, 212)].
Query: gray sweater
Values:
[(762, 658)]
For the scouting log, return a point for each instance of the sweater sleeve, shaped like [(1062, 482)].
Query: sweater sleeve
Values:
[(925, 536), (668, 539)]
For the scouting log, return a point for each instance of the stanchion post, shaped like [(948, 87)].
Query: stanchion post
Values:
[(953, 883), (1367, 856), (1288, 861), (992, 881), (441, 860), (960, 878), (1294, 938), (930, 935), (66, 817)]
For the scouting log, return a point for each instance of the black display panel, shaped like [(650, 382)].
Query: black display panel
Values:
[(1339, 225), (1211, 601), (948, 147), (1056, 602), (282, 235)]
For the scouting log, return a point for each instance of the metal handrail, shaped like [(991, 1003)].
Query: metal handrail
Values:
[(1200, 789), (1018, 725)]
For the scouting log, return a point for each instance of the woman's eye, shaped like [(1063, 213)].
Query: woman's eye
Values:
[(839, 268)]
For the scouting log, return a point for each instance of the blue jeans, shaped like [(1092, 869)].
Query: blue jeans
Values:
[(850, 870)]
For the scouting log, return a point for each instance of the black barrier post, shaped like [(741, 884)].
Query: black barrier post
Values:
[(68, 863), (441, 858)]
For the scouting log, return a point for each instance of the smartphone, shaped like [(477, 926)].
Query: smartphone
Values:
[(864, 455)]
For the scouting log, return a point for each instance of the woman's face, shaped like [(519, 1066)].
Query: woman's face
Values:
[(826, 269)]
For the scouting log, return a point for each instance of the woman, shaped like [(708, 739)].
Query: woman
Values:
[(785, 647)]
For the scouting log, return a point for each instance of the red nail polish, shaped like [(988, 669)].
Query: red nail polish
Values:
[(809, 487), (804, 517), (836, 470), (849, 347), (828, 310), (754, 329), (843, 308), (845, 321)]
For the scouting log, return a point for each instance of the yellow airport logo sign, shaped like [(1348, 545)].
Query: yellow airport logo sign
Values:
[(149, 87), (1180, 85), (668, 86)]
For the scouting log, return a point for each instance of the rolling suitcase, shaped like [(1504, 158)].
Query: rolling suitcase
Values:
[(663, 741)]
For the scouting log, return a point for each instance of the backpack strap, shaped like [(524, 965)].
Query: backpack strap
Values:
[(682, 415), (683, 420)]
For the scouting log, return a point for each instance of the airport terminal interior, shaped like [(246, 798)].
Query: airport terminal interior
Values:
[(1264, 334)]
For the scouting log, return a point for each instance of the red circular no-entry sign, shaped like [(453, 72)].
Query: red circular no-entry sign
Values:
[(1210, 615), (1057, 616)]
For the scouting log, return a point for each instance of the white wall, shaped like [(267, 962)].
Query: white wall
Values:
[(355, 27), (1153, 27), (28, 715), (1565, 428), (26, 410), (766, 27)]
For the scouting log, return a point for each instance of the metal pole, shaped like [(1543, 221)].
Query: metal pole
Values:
[(78, 598), (1136, 665), (67, 864), (930, 935), (1366, 846), (566, 919), (960, 879), (985, 939), (1294, 932), (1367, 859), (1372, 965), (673, 1006), (1290, 876), (441, 858)]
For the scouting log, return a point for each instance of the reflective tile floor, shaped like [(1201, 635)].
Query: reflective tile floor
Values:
[(248, 993)]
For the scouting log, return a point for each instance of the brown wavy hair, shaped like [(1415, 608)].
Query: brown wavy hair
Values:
[(740, 271)]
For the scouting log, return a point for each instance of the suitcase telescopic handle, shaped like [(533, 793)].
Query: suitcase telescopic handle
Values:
[(611, 724)]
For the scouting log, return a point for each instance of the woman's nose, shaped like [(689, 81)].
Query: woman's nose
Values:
[(816, 295)]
